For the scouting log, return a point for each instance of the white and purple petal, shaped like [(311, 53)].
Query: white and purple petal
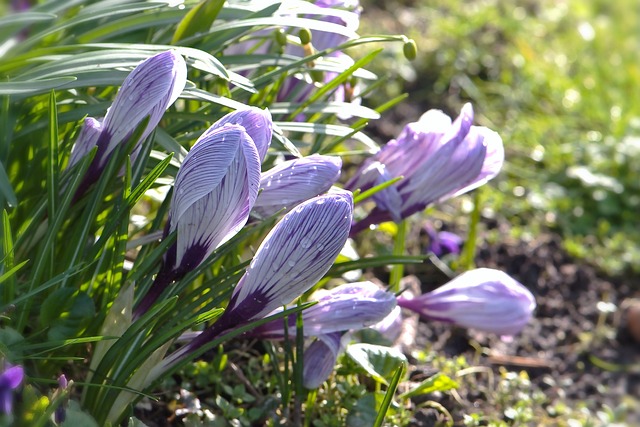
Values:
[(148, 90), (294, 256), (483, 299), (320, 359), (256, 122), (345, 307), (295, 181), (214, 192), (86, 141)]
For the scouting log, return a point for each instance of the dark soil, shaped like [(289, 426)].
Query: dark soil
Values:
[(577, 350)]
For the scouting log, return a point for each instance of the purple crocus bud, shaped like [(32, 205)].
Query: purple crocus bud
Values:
[(147, 91), (293, 257), (484, 299), (319, 360), (295, 181), (443, 242), (86, 141), (10, 379), (20, 5), (438, 160), (297, 252), (350, 306), (256, 122), (213, 194), (60, 414)]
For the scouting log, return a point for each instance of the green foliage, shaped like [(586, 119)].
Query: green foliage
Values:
[(543, 74)]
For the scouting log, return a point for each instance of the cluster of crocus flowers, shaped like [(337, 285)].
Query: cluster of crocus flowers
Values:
[(292, 258), (151, 88), (484, 299), (437, 160), (294, 181), (214, 192)]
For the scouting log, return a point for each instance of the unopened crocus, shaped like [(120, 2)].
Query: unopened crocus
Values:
[(293, 257), (10, 380), (443, 243), (485, 299), (60, 414), (148, 91), (345, 307), (294, 181), (214, 191), (319, 359), (437, 160)]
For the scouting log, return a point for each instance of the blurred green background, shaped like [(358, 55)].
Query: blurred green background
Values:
[(560, 81)]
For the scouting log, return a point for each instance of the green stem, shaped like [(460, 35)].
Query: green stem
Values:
[(397, 271)]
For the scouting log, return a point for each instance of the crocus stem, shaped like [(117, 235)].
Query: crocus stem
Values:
[(161, 282), (397, 270)]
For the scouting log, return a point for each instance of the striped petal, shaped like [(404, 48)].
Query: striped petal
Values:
[(350, 306), (320, 359), (295, 181), (484, 299), (214, 192), (256, 122), (149, 90), (293, 257)]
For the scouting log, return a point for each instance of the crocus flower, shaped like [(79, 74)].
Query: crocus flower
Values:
[(147, 91), (10, 379), (60, 413), (485, 299), (214, 192), (437, 160), (295, 181), (443, 242), (297, 252), (391, 326), (349, 306), (319, 359)]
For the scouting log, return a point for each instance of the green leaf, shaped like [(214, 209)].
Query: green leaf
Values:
[(378, 361), (437, 382), (388, 396), (66, 312), (198, 19), (32, 87)]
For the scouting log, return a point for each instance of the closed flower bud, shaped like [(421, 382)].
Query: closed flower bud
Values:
[(319, 360), (345, 307), (147, 91), (10, 379), (214, 191), (295, 181), (484, 299)]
